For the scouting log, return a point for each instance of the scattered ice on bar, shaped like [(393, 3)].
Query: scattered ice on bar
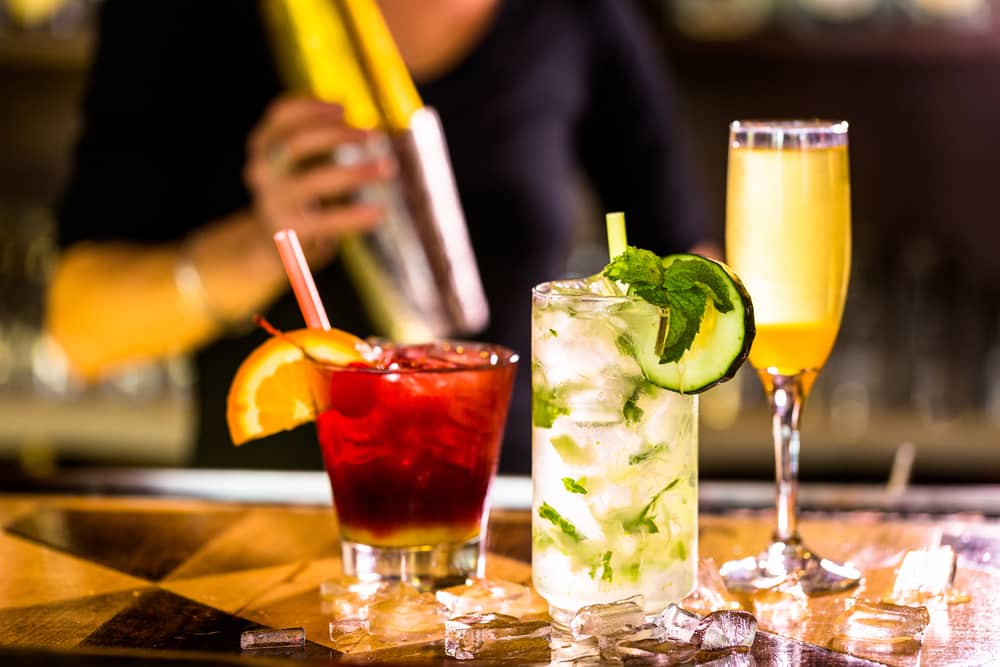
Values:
[(927, 575), (881, 621), (343, 626), (479, 635), (349, 598), (347, 635), (267, 638), (711, 593), (492, 595), (676, 623), (724, 630), (409, 618), (880, 627), (783, 607), (604, 620)]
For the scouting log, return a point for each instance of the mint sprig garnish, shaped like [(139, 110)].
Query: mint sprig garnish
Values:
[(682, 288)]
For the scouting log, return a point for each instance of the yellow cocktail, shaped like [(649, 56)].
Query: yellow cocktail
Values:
[(788, 235)]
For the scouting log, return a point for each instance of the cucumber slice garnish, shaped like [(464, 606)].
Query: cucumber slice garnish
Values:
[(721, 345)]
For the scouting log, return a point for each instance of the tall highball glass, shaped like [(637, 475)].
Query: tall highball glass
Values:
[(788, 236)]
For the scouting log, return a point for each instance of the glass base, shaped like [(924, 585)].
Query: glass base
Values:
[(786, 559), (427, 567)]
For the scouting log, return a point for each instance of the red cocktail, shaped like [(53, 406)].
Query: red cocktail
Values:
[(411, 446)]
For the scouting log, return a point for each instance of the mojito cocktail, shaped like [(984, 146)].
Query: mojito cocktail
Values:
[(615, 458), (615, 425)]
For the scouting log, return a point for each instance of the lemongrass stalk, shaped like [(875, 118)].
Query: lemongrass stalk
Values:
[(616, 234)]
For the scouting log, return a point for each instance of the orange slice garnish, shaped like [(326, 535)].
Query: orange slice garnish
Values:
[(280, 386)]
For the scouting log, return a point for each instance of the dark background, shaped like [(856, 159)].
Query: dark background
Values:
[(918, 358)]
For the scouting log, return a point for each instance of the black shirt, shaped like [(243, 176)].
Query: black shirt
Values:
[(554, 90)]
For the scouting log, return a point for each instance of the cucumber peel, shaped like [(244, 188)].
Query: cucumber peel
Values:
[(706, 326)]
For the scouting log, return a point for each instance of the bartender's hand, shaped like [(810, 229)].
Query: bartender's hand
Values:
[(295, 182)]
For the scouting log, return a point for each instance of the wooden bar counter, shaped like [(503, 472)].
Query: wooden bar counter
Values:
[(109, 579)]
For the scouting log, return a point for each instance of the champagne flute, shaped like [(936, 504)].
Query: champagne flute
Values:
[(788, 236)]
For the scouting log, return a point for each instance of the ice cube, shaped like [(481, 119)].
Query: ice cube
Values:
[(347, 635), (603, 620), (725, 629), (349, 598), (608, 645), (783, 607), (480, 635), (677, 624), (492, 595), (416, 618), (881, 621), (924, 574), (711, 593), (268, 638), (564, 649)]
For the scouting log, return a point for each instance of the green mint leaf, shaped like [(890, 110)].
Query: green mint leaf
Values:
[(685, 273), (545, 407), (645, 454), (686, 310), (625, 346), (573, 486), (679, 550), (644, 519), (631, 411), (683, 289), (554, 333), (549, 513), (636, 267), (604, 565), (631, 571)]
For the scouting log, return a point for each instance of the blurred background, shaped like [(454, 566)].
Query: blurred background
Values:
[(915, 375)]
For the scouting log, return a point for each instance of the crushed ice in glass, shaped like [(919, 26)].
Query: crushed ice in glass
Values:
[(480, 635), (927, 575), (724, 630), (493, 595), (605, 620), (255, 639)]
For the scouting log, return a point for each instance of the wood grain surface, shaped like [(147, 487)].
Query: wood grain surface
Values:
[(184, 577)]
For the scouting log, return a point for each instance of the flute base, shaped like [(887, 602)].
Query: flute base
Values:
[(784, 560)]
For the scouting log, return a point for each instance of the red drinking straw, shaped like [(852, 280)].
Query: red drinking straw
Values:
[(301, 279)]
